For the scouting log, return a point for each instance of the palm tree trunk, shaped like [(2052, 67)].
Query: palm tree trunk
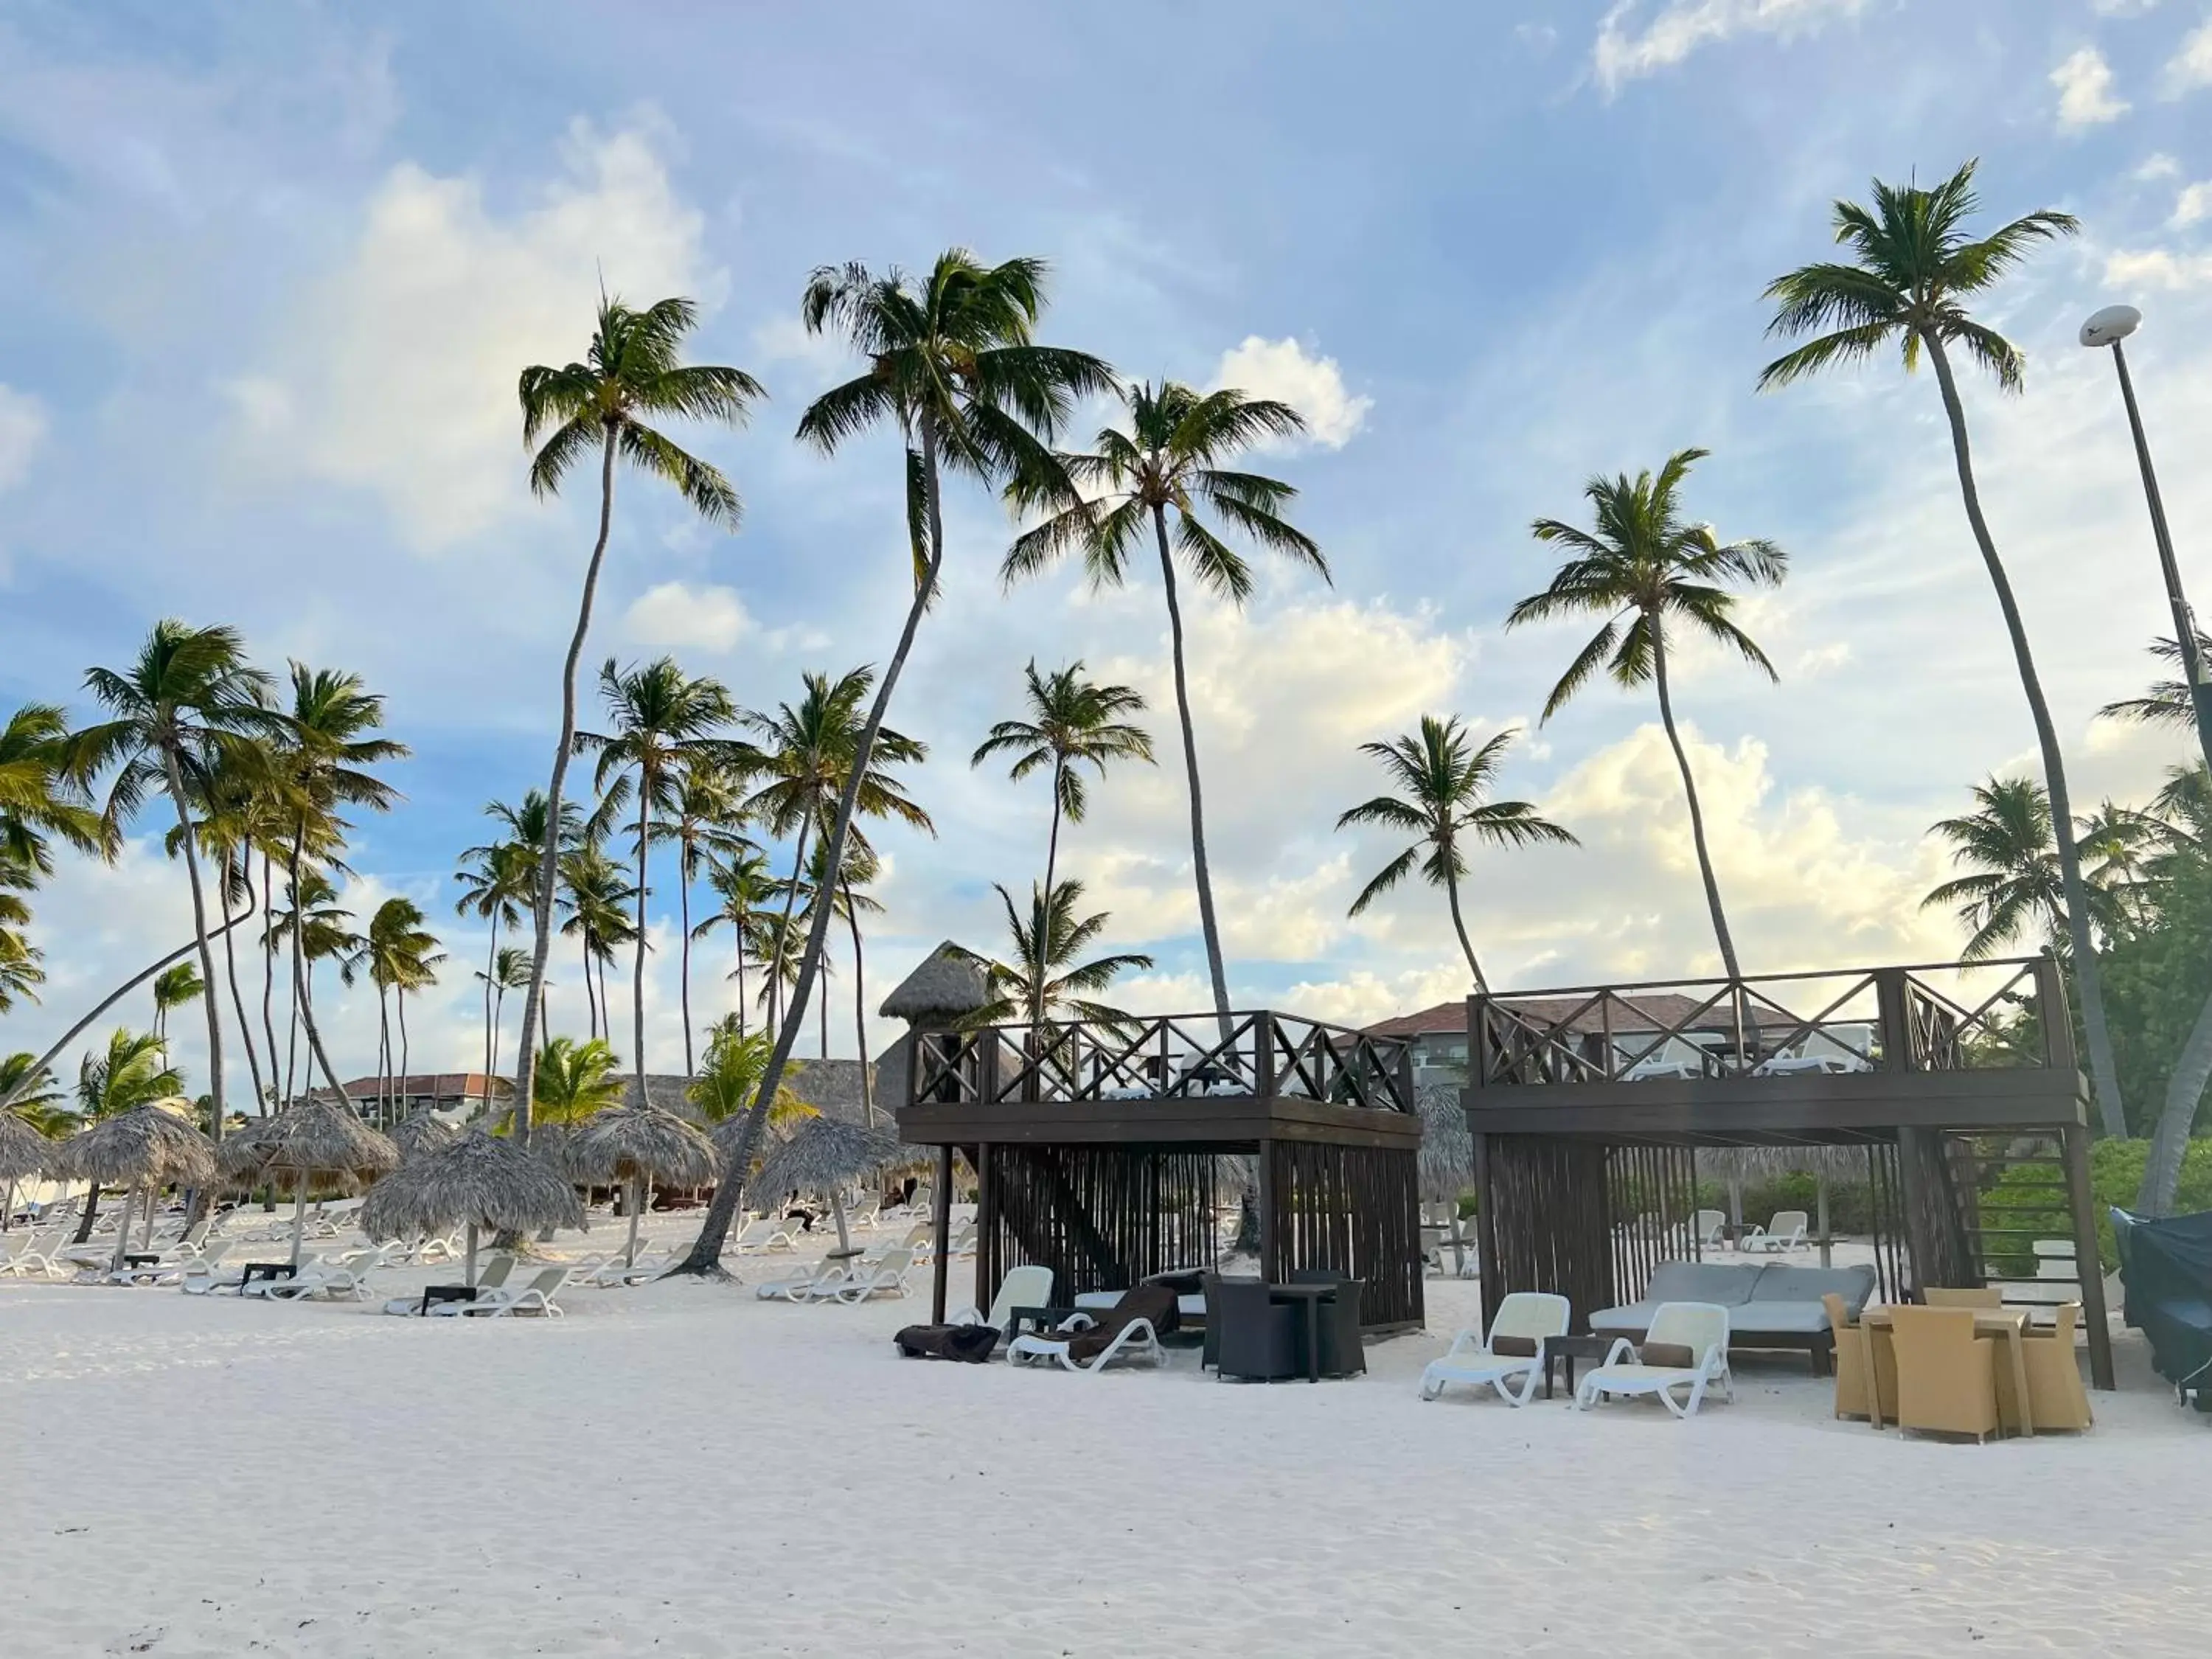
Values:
[(1728, 963), (237, 997), (684, 926), (200, 935), (742, 919), (383, 1058), (526, 1061), (1051, 865), (269, 967), (491, 972), (303, 989), (776, 1015), (400, 1093), (859, 1012), (2111, 1112), (2169, 1141), (1459, 925), (637, 972), (1206, 923), (705, 1252)]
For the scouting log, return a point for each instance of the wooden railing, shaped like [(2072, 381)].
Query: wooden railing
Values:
[(2008, 1015), (1259, 1055)]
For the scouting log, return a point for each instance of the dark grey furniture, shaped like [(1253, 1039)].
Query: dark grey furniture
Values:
[(1249, 1334), (1769, 1306)]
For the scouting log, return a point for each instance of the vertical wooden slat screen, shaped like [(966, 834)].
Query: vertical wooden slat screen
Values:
[(1353, 1210)]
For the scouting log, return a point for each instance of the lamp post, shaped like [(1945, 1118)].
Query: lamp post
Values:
[(2108, 328)]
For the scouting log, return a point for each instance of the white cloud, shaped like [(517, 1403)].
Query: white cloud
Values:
[(1312, 386), (1625, 52), (2086, 98), (2122, 8), (23, 430), (400, 377), (2158, 267), (2194, 202), (2191, 66), (2159, 165), (678, 614)]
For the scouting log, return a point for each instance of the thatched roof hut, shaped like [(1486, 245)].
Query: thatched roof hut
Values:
[(637, 1144), (314, 1139), (1447, 1166), (478, 1182), (23, 1151), (822, 1155), (425, 1132), (149, 1146), (949, 983)]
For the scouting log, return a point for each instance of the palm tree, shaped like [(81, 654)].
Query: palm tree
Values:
[(38, 796), (189, 702), (1072, 721), (237, 803), (500, 876), (953, 370), (597, 901), (703, 824), (576, 1079), (177, 988), (1442, 800), (509, 971), (1912, 268), (313, 924), (807, 758), (399, 955), (739, 879), (2167, 703), (729, 1082), (630, 376), (132, 1071), (1043, 972), (664, 723), (20, 973), (2013, 885), (1640, 567), (1171, 461)]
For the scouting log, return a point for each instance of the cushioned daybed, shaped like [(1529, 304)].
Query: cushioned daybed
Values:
[(1769, 1306)]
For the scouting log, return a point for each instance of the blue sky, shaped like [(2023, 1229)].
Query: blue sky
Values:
[(273, 270)]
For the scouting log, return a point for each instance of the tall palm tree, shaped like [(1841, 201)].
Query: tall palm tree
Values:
[(954, 372), (576, 1079), (314, 926), (739, 879), (235, 805), (1043, 970), (597, 901), (509, 971), (664, 722), (499, 877), (190, 701), (399, 955), (1642, 566), (631, 375), (39, 799), (20, 972), (704, 825), (178, 988), (1072, 722), (1912, 270), (2013, 886), (1171, 463), (1444, 801)]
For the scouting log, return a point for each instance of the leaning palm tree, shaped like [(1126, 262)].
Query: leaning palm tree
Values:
[(630, 376), (189, 702), (954, 372), (1044, 968), (1912, 269), (1170, 463), (1642, 566), (1444, 802), (1072, 722), (663, 723)]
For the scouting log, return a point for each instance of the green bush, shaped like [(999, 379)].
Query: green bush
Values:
[(1851, 1203), (2116, 1170)]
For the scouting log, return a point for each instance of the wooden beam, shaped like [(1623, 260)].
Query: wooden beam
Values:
[(942, 1234), (2081, 1202)]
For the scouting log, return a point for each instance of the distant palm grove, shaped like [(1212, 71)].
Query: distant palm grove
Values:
[(755, 835)]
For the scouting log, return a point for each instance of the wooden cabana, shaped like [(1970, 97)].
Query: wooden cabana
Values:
[(1588, 1107), (1098, 1150)]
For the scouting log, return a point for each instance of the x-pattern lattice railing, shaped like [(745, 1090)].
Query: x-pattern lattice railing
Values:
[(1171, 1056)]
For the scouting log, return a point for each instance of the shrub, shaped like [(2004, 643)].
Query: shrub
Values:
[(2116, 1169)]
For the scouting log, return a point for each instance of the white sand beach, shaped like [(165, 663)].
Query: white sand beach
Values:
[(682, 1469)]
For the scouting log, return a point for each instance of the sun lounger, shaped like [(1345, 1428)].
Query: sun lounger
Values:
[(1026, 1286), (493, 1276), (536, 1297), (824, 1276), (1090, 1342), (1786, 1231), (1686, 1349), (1513, 1353), (887, 1278), (759, 1237), (1711, 1228), (35, 1255), (325, 1281)]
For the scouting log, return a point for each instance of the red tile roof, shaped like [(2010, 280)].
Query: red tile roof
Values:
[(439, 1085), (1657, 1009)]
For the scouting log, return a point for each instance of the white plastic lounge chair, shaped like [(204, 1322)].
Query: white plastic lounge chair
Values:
[(1135, 1340), (786, 1235), (1785, 1232), (887, 1278), (326, 1281), (1702, 1328), (36, 1256), (493, 1276), (822, 1278), (1026, 1286), (535, 1298), (1711, 1227), (1530, 1316), (756, 1237)]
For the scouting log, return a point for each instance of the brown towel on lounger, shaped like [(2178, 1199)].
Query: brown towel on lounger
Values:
[(1155, 1303), (973, 1343)]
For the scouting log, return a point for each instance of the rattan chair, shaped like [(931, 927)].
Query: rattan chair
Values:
[(2055, 1398), (1945, 1377)]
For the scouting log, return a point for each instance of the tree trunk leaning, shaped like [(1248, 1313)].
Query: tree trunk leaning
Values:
[(1207, 925), (1728, 963), (201, 936)]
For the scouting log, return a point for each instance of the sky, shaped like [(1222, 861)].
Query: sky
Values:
[(273, 270)]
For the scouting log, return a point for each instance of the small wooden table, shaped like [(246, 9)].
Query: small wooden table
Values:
[(1591, 1349), (435, 1294), (2004, 1324)]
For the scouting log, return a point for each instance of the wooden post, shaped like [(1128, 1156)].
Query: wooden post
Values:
[(987, 1265), (1404, 1079), (942, 1234), (1485, 1240), (2081, 1202), (1894, 1019), (1263, 1066), (1269, 1240), (1919, 1242), (1478, 1043), (2056, 1020)]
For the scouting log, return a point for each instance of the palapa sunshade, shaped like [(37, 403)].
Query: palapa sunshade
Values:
[(478, 1182), (1737, 1164), (822, 1155), (1447, 1159), (316, 1140), (949, 981), (149, 1146), (425, 1132), (635, 1145), (23, 1152)]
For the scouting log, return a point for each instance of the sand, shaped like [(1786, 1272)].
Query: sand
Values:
[(682, 1469)]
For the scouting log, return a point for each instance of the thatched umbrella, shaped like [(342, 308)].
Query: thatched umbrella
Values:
[(1737, 1164), (639, 1144), (949, 981), (23, 1151), (315, 1139), (823, 1154), (425, 1132), (1447, 1161), (151, 1145), (476, 1183)]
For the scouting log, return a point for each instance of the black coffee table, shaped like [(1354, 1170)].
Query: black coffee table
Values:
[(1591, 1349)]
